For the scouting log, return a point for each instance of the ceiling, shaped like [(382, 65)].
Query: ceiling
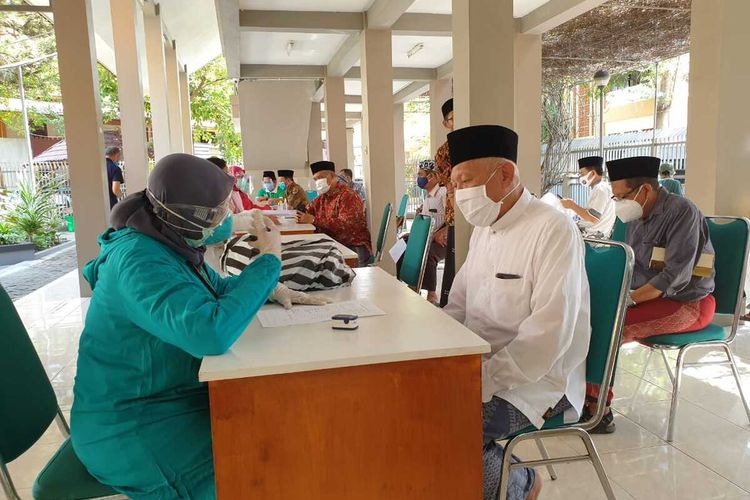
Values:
[(520, 7), (308, 5), (272, 48)]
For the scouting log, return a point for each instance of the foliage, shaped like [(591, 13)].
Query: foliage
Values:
[(45, 240), (8, 236), (557, 124), (211, 109), (33, 213)]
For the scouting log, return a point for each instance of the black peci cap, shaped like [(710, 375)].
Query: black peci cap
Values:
[(447, 107), (320, 166), (631, 168), (591, 162), (270, 174), (289, 174), (482, 141)]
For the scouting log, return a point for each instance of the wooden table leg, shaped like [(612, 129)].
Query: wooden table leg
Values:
[(408, 430)]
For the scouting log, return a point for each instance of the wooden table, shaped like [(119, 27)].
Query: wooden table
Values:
[(350, 256), (294, 228), (388, 412)]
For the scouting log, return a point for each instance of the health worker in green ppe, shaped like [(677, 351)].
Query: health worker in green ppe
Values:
[(140, 419)]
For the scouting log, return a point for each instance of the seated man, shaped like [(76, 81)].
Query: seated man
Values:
[(347, 175), (338, 212), (668, 296), (598, 219), (433, 205), (523, 288), (294, 196), (270, 192)]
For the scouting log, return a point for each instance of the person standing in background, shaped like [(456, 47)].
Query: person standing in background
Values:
[(667, 181), (113, 154), (446, 236)]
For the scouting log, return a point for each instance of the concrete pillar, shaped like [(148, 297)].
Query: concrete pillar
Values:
[(336, 120), (349, 148), (399, 153), (187, 126), (483, 81), (127, 22), (440, 91), (315, 137), (528, 75), (157, 82), (718, 139), (377, 129), (79, 83), (173, 99)]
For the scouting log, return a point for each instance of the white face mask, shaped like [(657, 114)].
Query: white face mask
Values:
[(629, 210), (478, 208), (321, 186), (587, 179)]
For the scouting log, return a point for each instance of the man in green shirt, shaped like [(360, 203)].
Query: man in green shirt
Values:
[(270, 192), (666, 171)]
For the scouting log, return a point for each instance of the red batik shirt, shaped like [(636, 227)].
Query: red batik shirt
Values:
[(444, 167), (340, 214)]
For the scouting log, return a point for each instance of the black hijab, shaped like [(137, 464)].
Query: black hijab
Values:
[(177, 178)]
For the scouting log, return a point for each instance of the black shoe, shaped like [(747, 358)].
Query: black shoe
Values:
[(606, 426)]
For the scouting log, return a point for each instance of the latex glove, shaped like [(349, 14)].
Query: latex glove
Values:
[(286, 297), (266, 236)]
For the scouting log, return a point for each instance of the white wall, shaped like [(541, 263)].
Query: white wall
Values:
[(13, 152), (275, 121)]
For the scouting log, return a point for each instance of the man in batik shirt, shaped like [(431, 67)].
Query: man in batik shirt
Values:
[(445, 236), (294, 196), (338, 211)]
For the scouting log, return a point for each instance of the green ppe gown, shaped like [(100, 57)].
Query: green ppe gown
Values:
[(140, 419)]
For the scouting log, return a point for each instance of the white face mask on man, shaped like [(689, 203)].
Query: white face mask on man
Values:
[(587, 179), (321, 186), (479, 209), (629, 210)]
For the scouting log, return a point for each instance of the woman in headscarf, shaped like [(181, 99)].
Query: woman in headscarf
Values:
[(239, 201), (140, 419)]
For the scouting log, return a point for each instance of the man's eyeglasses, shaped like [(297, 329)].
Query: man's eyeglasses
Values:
[(626, 195)]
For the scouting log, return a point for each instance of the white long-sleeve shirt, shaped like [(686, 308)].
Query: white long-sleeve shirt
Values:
[(523, 288), (602, 206), (434, 206)]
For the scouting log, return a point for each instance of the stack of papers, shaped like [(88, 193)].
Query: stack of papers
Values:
[(305, 315)]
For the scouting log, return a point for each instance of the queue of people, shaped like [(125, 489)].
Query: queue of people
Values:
[(157, 308)]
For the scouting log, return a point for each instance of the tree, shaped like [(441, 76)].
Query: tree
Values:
[(557, 124), (211, 109)]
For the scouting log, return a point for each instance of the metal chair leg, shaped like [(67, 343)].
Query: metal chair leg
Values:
[(643, 376), (62, 424), (502, 491), (737, 378), (545, 455), (8, 488), (675, 393), (596, 461), (666, 364)]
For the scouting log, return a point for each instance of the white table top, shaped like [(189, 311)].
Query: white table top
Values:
[(347, 252), (412, 329), (294, 227)]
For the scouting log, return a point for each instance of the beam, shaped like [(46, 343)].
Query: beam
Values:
[(349, 115), (411, 91), (383, 14), (445, 70), (25, 8), (301, 22), (320, 92), (423, 25), (353, 99), (281, 71), (346, 57), (554, 13), (228, 17), (411, 74)]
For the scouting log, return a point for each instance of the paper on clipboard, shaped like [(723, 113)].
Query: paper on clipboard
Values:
[(305, 315), (397, 250)]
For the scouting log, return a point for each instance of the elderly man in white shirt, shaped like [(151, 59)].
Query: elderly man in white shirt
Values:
[(523, 288), (598, 218)]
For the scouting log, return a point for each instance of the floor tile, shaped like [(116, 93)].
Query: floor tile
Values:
[(578, 481), (25, 468)]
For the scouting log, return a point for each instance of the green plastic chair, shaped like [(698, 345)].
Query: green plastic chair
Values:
[(730, 237), (401, 214), (27, 408), (609, 266), (384, 222), (415, 255), (620, 231)]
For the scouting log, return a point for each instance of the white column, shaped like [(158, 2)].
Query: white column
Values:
[(440, 91), (377, 129), (127, 21), (349, 148), (528, 101), (314, 136), (187, 127), (483, 81), (157, 82), (79, 83), (173, 98), (718, 139), (399, 152), (336, 120)]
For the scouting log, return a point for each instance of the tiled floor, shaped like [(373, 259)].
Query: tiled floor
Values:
[(709, 459)]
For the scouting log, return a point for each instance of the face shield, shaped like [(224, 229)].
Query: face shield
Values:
[(195, 223)]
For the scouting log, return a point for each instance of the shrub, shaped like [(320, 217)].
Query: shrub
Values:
[(8, 236), (34, 214)]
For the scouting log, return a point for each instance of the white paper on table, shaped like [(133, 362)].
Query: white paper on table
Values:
[(397, 250), (279, 213), (552, 200), (305, 315)]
